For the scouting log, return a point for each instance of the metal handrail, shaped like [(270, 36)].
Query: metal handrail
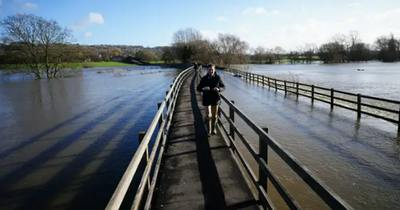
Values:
[(142, 151), (265, 172), (310, 93)]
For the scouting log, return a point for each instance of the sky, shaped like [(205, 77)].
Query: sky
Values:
[(286, 23)]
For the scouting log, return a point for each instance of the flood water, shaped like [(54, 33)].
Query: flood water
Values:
[(374, 78), (359, 160), (65, 143)]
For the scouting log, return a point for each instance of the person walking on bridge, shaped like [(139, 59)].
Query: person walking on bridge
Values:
[(211, 85)]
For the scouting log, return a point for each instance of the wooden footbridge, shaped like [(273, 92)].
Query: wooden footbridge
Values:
[(178, 166)]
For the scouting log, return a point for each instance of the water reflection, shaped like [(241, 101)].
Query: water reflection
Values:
[(357, 159), (378, 79), (67, 142)]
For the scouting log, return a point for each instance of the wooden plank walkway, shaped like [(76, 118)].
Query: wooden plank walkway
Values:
[(198, 171)]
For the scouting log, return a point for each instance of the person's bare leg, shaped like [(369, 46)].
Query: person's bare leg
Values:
[(208, 113), (214, 117)]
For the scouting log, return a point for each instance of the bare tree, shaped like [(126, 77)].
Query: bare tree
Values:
[(208, 52), (309, 51), (167, 55), (22, 30), (353, 38), (186, 44), (278, 52), (231, 49), (63, 53), (259, 54), (36, 38), (341, 42), (187, 35)]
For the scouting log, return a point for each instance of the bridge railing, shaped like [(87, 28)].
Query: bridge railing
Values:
[(382, 108), (150, 162), (260, 180)]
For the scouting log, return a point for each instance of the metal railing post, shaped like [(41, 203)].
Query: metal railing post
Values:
[(232, 117), (168, 100), (162, 116), (145, 158), (262, 178)]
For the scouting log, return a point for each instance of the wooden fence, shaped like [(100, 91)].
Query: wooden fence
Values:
[(233, 134), (150, 162), (387, 109)]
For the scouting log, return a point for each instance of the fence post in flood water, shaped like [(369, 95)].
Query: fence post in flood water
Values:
[(232, 117), (145, 158), (312, 94), (285, 87), (276, 85), (358, 106), (262, 178), (297, 90), (263, 80), (332, 98)]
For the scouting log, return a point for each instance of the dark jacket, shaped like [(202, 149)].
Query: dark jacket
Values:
[(211, 97)]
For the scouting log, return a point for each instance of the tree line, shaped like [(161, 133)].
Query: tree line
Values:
[(189, 46), (45, 47)]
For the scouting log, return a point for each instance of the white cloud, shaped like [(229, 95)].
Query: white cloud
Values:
[(391, 14), (30, 5), (210, 34), (252, 10), (96, 18), (88, 34), (92, 18), (274, 12), (221, 18), (260, 10), (370, 22), (355, 4)]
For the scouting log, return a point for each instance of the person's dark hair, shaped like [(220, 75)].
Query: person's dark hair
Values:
[(211, 65)]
